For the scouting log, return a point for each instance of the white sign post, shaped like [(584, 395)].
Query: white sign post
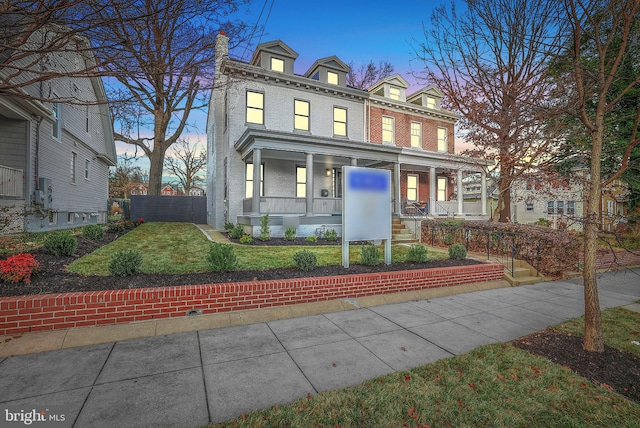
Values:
[(366, 208)]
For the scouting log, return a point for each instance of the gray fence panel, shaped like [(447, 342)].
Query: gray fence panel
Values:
[(190, 209)]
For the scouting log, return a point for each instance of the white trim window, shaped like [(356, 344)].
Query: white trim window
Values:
[(442, 189), (442, 140), (301, 112), (340, 121), (394, 93), (332, 78), (412, 187), (87, 169), (416, 134), (301, 181), (57, 121), (249, 180), (74, 162), (277, 64), (388, 129), (255, 107)]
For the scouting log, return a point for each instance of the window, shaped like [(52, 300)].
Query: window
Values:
[(551, 207), (301, 115), (571, 207), (560, 207), (442, 188), (74, 160), (70, 218), (394, 93), (249, 181), (255, 107), (431, 102), (301, 181), (53, 217), (332, 77), (340, 121), (337, 182), (277, 65), (387, 129), (610, 208), (87, 166), (529, 206), (57, 120), (412, 187), (416, 134), (86, 119), (442, 139)]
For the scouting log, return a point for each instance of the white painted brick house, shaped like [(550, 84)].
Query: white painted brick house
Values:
[(301, 129), (55, 156)]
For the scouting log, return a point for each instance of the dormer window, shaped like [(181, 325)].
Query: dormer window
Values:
[(431, 102), (394, 93), (332, 78), (277, 65)]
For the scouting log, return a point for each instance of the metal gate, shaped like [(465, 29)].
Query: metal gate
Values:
[(189, 209)]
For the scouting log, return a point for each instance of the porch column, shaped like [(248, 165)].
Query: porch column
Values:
[(397, 209), (354, 162), (257, 162), (460, 196), (309, 185), (433, 184), (483, 192)]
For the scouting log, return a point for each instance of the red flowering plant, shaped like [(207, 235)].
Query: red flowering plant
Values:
[(19, 268)]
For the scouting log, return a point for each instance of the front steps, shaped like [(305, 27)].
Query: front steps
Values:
[(523, 273), (400, 234)]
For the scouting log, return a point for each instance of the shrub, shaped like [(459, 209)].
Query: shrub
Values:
[(543, 222), (228, 226), (331, 235), (265, 230), (221, 257), (60, 243), (417, 254), (237, 232), (19, 268), (246, 239), (93, 231), (457, 252), (448, 239), (125, 263), (290, 234), (311, 239), (370, 255), (305, 260)]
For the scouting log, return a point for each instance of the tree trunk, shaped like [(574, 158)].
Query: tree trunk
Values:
[(504, 201), (156, 165)]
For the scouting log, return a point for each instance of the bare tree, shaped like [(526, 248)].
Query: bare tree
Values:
[(126, 177), (366, 75), (603, 48), (186, 163), (490, 62), (161, 64)]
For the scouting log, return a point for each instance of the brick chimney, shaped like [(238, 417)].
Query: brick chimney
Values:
[(222, 49)]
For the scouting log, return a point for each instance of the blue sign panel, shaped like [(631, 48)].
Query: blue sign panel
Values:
[(368, 180)]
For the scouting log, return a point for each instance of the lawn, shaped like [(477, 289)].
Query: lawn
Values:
[(182, 248), (492, 386)]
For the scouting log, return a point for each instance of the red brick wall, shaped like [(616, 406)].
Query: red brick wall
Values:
[(403, 129), (59, 311), (606, 259)]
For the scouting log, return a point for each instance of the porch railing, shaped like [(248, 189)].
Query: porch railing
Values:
[(442, 209), (292, 205), (11, 181)]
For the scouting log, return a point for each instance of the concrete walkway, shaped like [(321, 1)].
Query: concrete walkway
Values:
[(191, 378)]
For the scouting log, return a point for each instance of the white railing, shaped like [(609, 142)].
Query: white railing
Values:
[(292, 205), (11, 181)]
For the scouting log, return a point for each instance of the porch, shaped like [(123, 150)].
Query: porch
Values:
[(11, 182)]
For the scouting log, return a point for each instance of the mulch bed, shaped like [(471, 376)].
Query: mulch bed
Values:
[(612, 369)]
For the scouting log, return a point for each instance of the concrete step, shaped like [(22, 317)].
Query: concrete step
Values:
[(403, 236), (523, 280), (404, 241), (521, 272)]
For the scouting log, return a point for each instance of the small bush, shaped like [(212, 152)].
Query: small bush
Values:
[(228, 226), (60, 243), (448, 239), (290, 234), (19, 268), (237, 232), (222, 258), (125, 263), (417, 254), (265, 229), (305, 260), (93, 231), (370, 255), (457, 252), (331, 235), (246, 239), (311, 239)]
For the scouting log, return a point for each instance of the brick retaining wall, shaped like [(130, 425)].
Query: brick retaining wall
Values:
[(24, 314), (607, 259)]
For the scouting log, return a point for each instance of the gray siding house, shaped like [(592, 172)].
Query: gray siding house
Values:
[(55, 156), (277, 142)]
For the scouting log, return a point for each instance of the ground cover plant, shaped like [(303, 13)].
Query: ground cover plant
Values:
[(492, 386)]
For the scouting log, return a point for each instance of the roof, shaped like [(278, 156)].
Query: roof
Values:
[(332, 62)]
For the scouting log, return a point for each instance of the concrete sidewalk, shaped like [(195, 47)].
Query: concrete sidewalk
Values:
[(192, 378)]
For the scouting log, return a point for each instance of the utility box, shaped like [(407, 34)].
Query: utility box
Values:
[(44, 195)]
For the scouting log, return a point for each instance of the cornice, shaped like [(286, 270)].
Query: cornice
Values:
[(413, 108)]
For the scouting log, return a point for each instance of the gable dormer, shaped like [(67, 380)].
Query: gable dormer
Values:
[(274, 56), (392, 87), (428, 97), (329, 70)]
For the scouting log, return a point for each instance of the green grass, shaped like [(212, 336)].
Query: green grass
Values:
[(182, 248), (492, 386)]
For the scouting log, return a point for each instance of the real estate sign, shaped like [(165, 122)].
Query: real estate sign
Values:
[(366, 208)]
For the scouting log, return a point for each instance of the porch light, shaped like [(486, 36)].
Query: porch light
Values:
[(328, 172)]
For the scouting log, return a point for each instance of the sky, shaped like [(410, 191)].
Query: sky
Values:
[(355, 31)]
